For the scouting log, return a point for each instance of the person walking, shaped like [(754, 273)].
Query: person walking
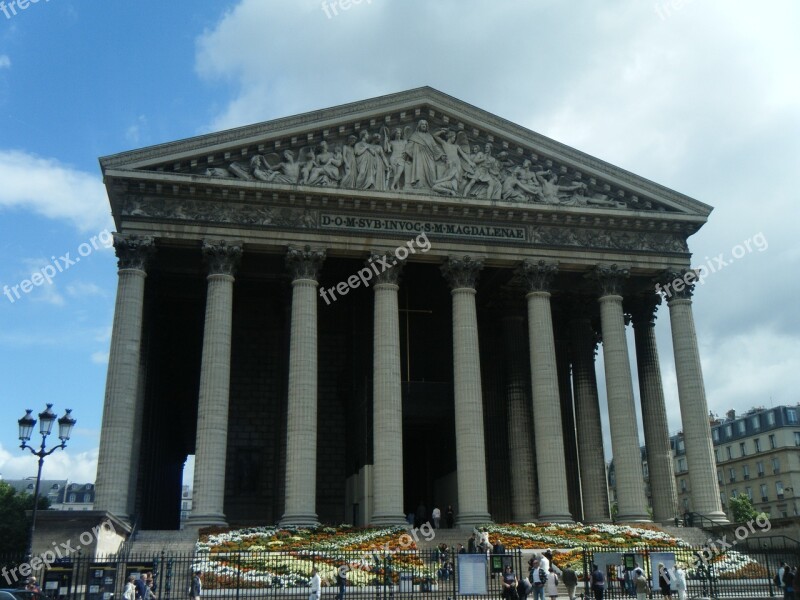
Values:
[(598, 582), (570, 580), (538, 579), (341, 581), (640, 584), (436, 515), (196, 588), (664, 580), (788, 583), (129, 593), (680, 581), (450, 516), (316, 585), (510, 583), (551, 585)]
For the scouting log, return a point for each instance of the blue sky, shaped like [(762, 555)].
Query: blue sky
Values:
[(704, 99)]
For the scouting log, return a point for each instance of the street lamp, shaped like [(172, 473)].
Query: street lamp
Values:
[(26, 424)]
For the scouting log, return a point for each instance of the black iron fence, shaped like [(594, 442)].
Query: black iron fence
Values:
[(747, 572)]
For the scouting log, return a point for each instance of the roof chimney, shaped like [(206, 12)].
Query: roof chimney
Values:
[(731, 414)]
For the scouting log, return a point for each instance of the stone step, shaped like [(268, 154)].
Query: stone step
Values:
[(694, 536)]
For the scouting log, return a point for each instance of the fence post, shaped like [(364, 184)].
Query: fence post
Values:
[(587, 574)]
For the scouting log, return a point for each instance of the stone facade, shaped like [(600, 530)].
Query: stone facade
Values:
[(462, 376)]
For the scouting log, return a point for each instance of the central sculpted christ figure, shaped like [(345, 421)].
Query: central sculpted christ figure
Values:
[(423, 151)]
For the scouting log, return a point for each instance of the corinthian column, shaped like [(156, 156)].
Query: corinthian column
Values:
[(631, 499), (117, 456), (654, 412), (211, 447), (520, 449), (462, 273), (692, 398), (594, 488), (387, 403), (301, 421), (550, 465)]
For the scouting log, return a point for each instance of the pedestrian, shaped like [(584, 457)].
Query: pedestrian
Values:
[(141, 587), (461, 549), (32, 586), (499, 548), (341, 581), (551, 585), (421, 515), (472, 544), (779, 577), (640, 584), (510, 584), (598, 582), (680, 581), (436, 515), (151, 593), (538, 578), (129, 593), (316, 585), (570, 580), (664, 580), (788, 583), (196, 588), (451, 516)]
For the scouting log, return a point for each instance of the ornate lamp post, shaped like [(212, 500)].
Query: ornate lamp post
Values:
[(26, 424)]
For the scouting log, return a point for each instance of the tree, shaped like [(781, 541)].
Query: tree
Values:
[(15, 525), (742, 508)]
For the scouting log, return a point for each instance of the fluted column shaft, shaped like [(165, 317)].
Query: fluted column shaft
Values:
[(694, 407), (473, 508), (594, 487), (301, 420), (548, 432), (387, 400), (524, 504), (631, 499), (654, 413), (211, 450), (116, 457)]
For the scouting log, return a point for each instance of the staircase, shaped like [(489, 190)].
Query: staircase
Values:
[(150, 543), (451, 537), (694, 536)]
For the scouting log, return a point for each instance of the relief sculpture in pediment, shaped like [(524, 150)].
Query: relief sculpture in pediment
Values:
[(416, 159)]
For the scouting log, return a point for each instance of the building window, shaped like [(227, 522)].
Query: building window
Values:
[(681, 445), (764, 497), (760, 468), (87, 498), (749, 492), (741, 426), (755, 423), (728, 430), (729, 452), (715, 434), (732, 474), (716, 454), (746, 471), (742, 451), (683, 485), (719, 476), (779, 489), (776, 465), (72, 497), (791, 415), (757, 444), (681, 465), (771, 418), (685, 504), (772, 443), (797, 438), (734, 493)]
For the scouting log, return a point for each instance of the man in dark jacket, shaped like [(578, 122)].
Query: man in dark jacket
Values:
[(570, 581)]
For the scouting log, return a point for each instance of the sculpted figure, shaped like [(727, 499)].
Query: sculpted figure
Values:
[(551, 190), (349, 164), (371, 163), (398, 162), (487, 170), (325, 168), (423, 152), (269, 168), (456, 149), (383, 167), (448, 182), (515, 188)]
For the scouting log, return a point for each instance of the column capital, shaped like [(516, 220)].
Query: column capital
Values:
[(222, 257), (391, 267), (462, 272), (678, 284), (643, 308), (538, 275), (304, 263), (610, 279), (133, 251)]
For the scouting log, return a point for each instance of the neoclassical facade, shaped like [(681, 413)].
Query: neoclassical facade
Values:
[(346, 313)]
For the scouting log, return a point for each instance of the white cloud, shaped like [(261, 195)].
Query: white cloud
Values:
[(100, 358), (133, 133), (54, 190), (82, 289), (5, 61), (62, 464)]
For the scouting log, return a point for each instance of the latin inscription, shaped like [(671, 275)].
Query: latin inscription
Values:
[(330, 221)]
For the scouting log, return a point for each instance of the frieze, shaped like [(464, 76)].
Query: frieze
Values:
[(258, 215)]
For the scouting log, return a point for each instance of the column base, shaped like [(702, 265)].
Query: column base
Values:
[(531, 518), (388, 520), (465, 520), (557, 518), (209, 520), (299, 520), (633, 519)]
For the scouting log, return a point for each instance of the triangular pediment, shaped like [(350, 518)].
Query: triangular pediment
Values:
[(419, 142)]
